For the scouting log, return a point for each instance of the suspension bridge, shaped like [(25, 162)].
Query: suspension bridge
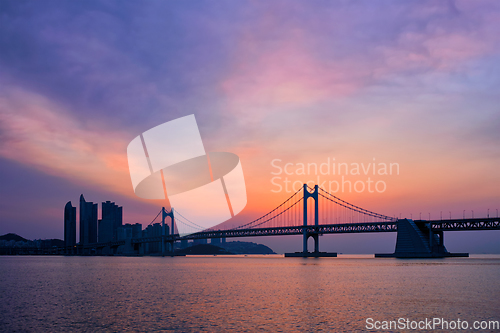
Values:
[(312, 212)]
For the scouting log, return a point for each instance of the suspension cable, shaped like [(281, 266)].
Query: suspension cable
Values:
[(187, 220), (155, 217), (359, 210), (269, 219), (357, 207), (190, 226), (263, 216)]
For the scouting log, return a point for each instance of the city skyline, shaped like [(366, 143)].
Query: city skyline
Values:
[(265, 81)]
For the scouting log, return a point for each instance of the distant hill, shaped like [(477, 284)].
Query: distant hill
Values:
[(246, 248), (16, 238), (52, 242), (202, 249), (227, 248)]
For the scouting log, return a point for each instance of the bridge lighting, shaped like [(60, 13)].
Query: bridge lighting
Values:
[(429, 216), (472, 213), (420, 215), (488, 213), (450, 215), (497, 212), (464, 214), (441, 215)]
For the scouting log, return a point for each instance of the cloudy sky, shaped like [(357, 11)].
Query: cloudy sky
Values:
[(410, 82)]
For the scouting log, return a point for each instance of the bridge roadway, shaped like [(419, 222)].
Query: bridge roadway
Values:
[(437, 225)]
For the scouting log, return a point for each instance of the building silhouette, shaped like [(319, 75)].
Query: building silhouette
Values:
[(111, 221), (69, 225), (88, 222), (129, 231), (153, 230)]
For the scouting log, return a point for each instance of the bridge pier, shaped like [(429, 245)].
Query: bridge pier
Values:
[(315, 236), (304, 240), (416, 239), (316, 242)]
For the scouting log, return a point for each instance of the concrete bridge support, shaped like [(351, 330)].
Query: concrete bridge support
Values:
[(418, 240)]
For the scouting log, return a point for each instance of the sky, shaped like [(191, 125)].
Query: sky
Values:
[(409, 82)]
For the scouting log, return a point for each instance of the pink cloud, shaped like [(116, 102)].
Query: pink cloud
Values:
[(41, 134), (281, 64), (421, 52), (285, 74)]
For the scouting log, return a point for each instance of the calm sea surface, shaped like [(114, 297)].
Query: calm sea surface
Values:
[(220, 294)]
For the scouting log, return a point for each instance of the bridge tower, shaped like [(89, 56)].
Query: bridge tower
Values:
[(164, 215), (310, 230), (306, 232)]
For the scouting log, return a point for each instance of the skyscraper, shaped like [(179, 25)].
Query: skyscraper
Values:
[(88, 222), (112, 217), (153, 230), (69, 225)]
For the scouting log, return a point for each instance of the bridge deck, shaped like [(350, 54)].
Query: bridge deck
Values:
[(437, 225)]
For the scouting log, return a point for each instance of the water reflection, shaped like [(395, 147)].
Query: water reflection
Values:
[(241, 294)]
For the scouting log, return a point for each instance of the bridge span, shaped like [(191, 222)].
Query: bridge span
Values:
[(312, 212)]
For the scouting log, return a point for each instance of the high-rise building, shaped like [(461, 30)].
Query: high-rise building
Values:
[(153, 230), (88, 222), (136, 230), (112, 219), (105, 230), (129, 231), (69, 225)]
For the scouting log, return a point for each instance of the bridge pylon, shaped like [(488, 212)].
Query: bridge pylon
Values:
[(309, 231), (306, 232), (164, 232)]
